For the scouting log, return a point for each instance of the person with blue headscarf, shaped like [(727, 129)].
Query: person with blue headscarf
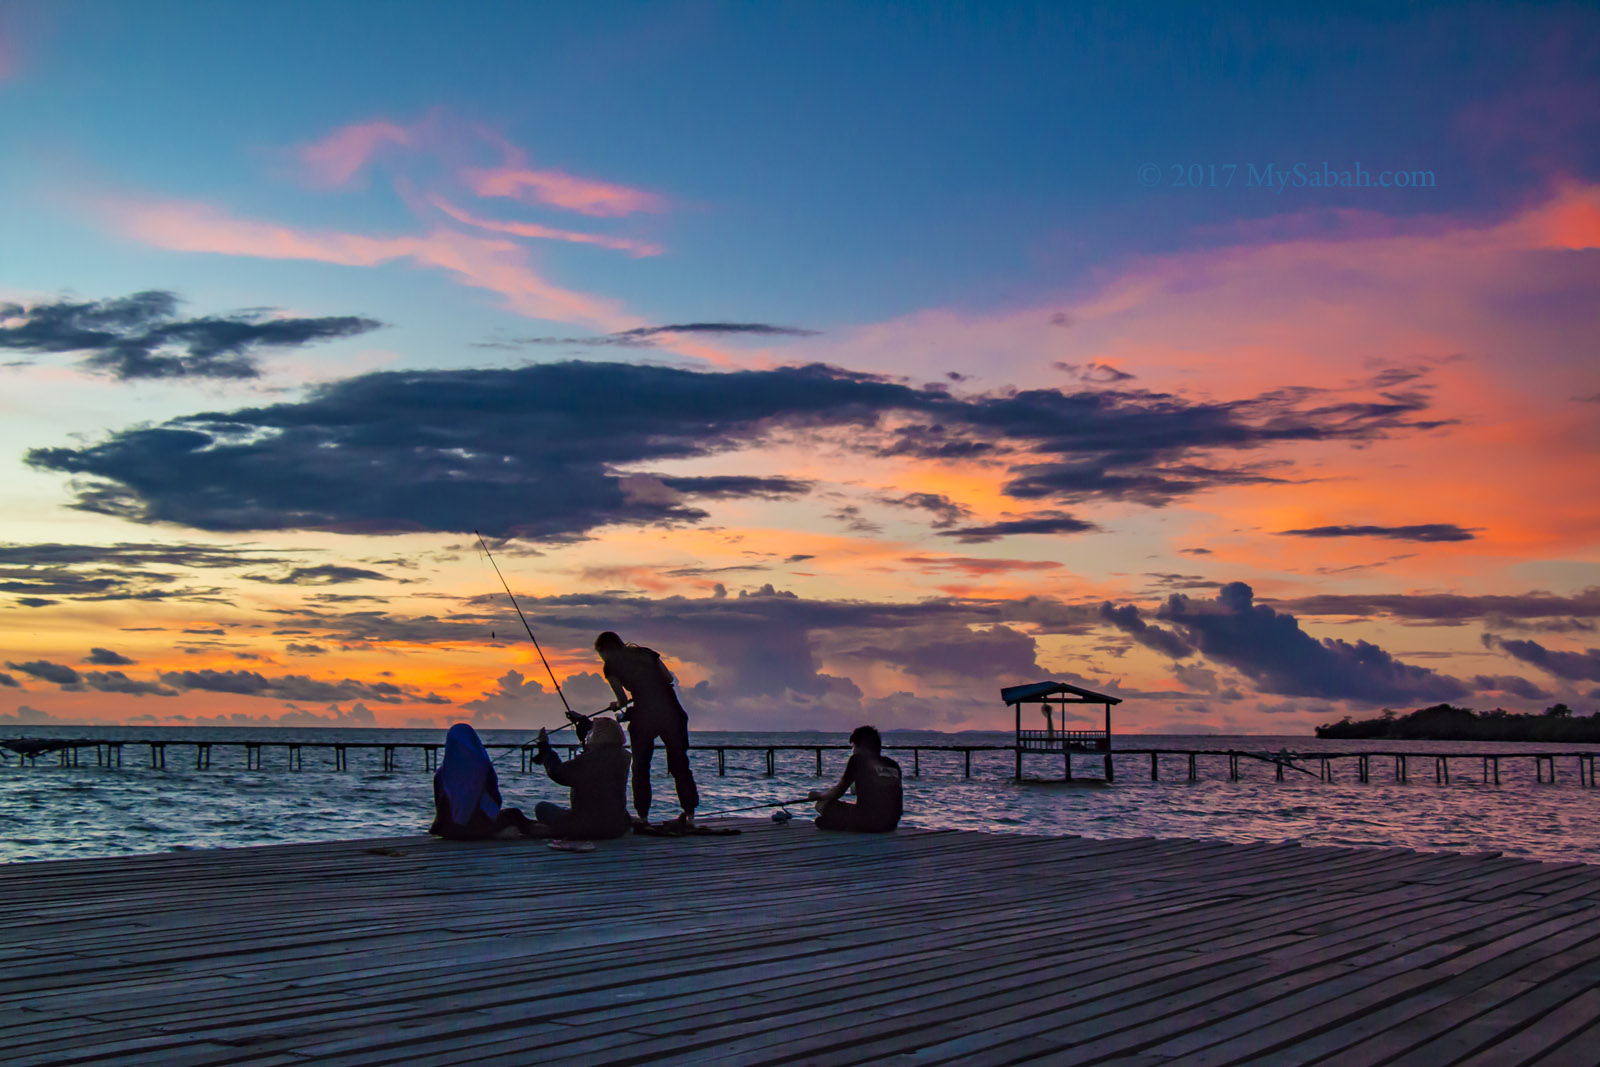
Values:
[(466, 793)]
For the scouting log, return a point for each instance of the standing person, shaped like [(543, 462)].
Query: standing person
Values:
[(466, 793), (636, 673), (598, 778), (876, 778)]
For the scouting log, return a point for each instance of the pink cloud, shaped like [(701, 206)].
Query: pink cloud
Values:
[(339, 156), (559, 189), (496, 265), (528, 229)]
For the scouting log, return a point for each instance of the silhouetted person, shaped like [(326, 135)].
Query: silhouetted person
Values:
[(1049, 721), (598, 778), (876, 778), (636, 673), (466, 793)]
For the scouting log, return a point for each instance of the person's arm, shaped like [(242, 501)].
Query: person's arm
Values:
[(616, 687), (560, 773), (828, 796)]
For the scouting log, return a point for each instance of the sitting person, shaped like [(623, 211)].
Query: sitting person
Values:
[(598, 778), (877, 782), (466, 793)]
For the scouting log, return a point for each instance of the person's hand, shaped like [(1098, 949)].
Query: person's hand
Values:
[(815, 794), (614, 705), (575, 717)]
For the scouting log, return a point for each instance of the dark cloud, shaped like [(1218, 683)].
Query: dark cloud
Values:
[(854, 520), (1573, 666), (1450, 607), (736, 485), (1195, 552), (540, 452), (945, 512), (982, 658), (649, 336), (35, 601), (1126, 618), (1169, 581), (132, 554), (104, 657), (1510, 683), (798, 557), (1269, 647), (757, 329), (1429, 531), (9, 682), (124, 571), (117, 682), (302, 649), (59, 673), (140, 336), (1093, 372), (322, 574), (296, 687), (1054, 522), (976, 565)]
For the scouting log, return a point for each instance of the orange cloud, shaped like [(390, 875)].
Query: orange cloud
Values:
[(496, 265), (1570, 221), (528, 229), (563, 190)]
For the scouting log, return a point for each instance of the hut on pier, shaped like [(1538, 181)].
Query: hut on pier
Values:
[(1051, 698)]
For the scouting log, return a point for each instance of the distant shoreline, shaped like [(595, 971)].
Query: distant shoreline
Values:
[(1445, 722)]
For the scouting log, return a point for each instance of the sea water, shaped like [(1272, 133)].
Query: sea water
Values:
[(48, 811)]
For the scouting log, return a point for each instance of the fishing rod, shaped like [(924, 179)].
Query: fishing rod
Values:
[(753, 807), (485, 546), (574, 716)]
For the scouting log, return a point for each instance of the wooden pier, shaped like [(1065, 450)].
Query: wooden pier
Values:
[(789, 945), (1197, 763)]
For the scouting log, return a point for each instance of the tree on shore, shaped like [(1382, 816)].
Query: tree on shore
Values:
[(1446, 722)]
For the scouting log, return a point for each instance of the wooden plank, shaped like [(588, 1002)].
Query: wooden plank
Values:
[(787, 944)]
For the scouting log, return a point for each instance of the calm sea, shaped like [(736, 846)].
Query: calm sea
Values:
[(50, 812)]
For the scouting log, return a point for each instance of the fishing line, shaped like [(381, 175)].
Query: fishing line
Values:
[(485, 546)]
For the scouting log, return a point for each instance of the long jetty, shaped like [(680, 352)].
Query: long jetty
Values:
[(1360, 766), (790, 945)]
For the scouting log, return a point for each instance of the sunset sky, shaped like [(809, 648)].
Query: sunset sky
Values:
[(860, 359)]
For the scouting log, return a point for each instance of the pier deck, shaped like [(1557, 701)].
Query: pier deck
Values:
[(788, 945)]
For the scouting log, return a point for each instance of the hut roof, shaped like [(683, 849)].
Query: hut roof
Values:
[(1035, 692)]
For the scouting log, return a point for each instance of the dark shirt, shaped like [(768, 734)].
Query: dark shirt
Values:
[(877, 782), (639, 672), (598, 778)]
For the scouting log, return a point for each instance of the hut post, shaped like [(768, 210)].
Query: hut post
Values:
[(1018, 709), (1109, 774)]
